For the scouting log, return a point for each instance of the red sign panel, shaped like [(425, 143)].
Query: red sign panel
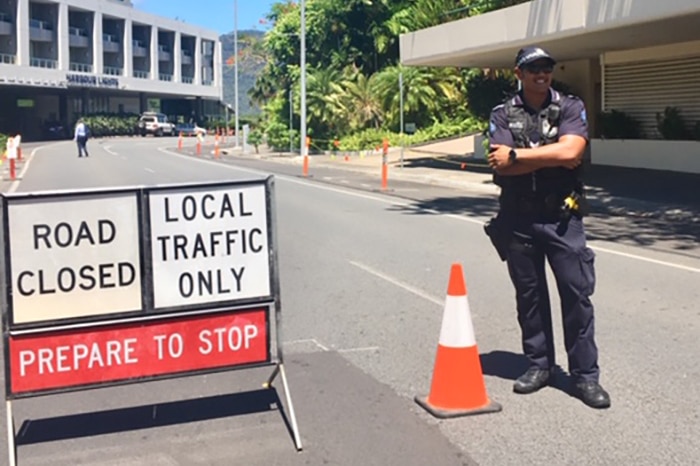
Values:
[(98, 355)]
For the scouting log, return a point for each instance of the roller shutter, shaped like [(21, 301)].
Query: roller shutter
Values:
[(643, 89)]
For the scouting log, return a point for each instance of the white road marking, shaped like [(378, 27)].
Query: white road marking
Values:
[(307, 340), (396, 202), (149, 170), (325, 348), (647, 259), (15, 184), (109, 150), (356, 350), (399, 283)]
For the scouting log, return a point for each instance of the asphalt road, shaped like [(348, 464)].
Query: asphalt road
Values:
[(364, 276)]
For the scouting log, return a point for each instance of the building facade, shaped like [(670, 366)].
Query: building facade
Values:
[(634, 56), (61, 59)]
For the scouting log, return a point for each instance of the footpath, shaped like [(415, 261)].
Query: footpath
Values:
[(663, 195)]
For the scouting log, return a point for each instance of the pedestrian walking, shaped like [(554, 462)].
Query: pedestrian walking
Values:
[(81, 137), (537, 141)]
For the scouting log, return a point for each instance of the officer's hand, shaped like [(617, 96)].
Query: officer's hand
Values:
[(571, 164), (498, 157)]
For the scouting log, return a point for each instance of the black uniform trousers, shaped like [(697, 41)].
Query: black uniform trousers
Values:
[(564, 248)]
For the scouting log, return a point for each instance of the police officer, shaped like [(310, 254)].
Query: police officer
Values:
[(537, 139)]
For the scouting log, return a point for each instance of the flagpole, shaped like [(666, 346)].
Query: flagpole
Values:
[(302, 128), (235, 67)]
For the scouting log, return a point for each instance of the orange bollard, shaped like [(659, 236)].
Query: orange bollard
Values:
[(19, 153), (385, 167), (306, 157), (216, 146), (199, 147), (179, 142), (13, 173)]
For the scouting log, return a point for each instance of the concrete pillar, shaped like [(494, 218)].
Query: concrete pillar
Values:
[(63, 38), (218, 65), (63, 109), (177, 58), (198, 61), (97, 44), (23, 57), (84, 99), (154, 53), (128, 47), (143, 102)]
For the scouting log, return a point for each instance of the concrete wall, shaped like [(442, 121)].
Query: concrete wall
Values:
[(584, 79), (680, 156)]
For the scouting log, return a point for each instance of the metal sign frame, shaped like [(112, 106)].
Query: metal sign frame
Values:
[(148, 313)]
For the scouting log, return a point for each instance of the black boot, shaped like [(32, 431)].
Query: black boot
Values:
[(531, 381), (592, 394)]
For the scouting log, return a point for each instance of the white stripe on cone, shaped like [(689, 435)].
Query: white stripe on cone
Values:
[(457, 329)]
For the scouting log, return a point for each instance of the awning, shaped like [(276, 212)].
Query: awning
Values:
[(569, 29)]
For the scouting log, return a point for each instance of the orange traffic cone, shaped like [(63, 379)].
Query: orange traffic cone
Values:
[(457, 387)]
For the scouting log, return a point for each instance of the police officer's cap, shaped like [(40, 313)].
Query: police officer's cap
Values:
[(530, 54)]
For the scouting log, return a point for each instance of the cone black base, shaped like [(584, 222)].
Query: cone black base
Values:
[(442, 413)]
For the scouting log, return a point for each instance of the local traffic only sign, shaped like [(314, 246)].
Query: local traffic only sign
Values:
[(109, 287)]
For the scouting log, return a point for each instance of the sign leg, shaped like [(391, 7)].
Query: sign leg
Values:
[(272, 377), (11, 447), (292, 416)]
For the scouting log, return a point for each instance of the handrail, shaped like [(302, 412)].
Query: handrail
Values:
[(43, 63), (39, 24), (7, 59)]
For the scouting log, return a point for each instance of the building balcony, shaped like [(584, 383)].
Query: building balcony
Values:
[(187, 79), (186, 57), (113, 71), (165, 77), (138, 49), (141, 74), (43, 63), (110, 43), (78, 37), (163, 53), (40, 31), (6, 26), (7, 59), (81, 67)]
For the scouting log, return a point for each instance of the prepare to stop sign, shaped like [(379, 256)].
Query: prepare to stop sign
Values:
[(80, 357), (209, 245)]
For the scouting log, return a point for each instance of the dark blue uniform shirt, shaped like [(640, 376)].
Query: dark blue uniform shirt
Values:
[(572, 120)]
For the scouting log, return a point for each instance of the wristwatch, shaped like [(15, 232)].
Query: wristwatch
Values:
[(512, 156)]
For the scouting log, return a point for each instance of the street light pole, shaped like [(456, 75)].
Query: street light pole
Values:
[(401, 111), (235, 67), (291, 122), (302, 129)]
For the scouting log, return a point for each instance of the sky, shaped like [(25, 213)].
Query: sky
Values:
[(217, 15)]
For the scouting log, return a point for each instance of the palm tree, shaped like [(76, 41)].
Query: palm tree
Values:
[(426, 92), (360, 100)]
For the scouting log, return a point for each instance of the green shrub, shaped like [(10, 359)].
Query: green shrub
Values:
[(255, 137), (619, 125), (671, 125)]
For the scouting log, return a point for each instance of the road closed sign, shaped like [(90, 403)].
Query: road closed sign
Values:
[(209, 245), (119, 285), (79, 257)]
